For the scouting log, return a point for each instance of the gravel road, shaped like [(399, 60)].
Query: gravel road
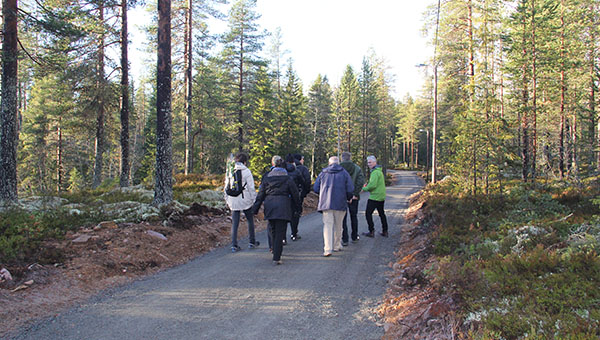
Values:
[(242, 295)]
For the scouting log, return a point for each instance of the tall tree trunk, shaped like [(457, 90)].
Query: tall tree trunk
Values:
[(471, 53), (241, 95), (472, 87), (8, 109), (534, 93), (125, 170), (59, 157), (100, 135), (163, 189), (561, 141), (189, 157), (593, 67), (525, 109)]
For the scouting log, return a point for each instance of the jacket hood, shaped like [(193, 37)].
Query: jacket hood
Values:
[(277, 172), (240, 166), (332, 169), (290, 167)]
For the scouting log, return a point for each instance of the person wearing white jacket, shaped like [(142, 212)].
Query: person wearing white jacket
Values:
[(242, 202)]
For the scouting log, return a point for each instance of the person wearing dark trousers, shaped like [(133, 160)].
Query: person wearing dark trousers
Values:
[(376, 188), (306, 187), (295, 171), (242, 202), (269, 224), (281, 198), (358, 178)]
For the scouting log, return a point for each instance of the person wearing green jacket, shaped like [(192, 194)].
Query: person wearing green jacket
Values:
[(376, 188)]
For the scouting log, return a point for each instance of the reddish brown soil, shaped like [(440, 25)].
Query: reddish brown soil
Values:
[(412, 308)]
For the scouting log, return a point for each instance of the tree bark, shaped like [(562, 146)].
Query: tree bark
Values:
[(561, 141), (163, 189), (525, 109), (125, 169), (59, 156), (533, 94), (8, 109), (188, 157), (100, 135)]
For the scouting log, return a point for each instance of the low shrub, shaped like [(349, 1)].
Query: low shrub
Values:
[(522, 264)]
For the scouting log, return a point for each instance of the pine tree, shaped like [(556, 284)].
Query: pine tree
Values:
[(323, 130), (242, 44), (163, 189), (346, 112), (125, 170), (262, 125), (369, 108), (290, 133), (8, 109)]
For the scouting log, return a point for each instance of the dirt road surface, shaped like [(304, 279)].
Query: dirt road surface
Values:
[(224, 295)]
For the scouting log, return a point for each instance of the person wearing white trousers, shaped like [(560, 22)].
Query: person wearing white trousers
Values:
[(332, 230), (335, 188)]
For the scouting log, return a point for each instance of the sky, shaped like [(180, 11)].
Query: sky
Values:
[(324, 36)]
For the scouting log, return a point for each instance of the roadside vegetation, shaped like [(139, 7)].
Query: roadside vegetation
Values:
[(37, 219), (522, 263)]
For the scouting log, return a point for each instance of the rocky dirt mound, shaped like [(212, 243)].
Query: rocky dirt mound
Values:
[(412, 308)]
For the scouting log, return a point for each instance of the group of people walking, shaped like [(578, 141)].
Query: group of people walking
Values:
[(283, 189)]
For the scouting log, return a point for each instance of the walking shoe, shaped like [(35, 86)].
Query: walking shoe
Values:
[(337, 249), (284, 242), (345, 244), (369, 234), (326, 254), (277, 262), (235, 249), (357, 238), (253, 245), (384, 234), (296, 237)]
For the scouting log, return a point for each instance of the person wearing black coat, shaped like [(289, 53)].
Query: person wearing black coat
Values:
[(281, 198), (304, 187), (298, 178)]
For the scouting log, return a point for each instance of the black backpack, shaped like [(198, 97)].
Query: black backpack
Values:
[(235, 187)]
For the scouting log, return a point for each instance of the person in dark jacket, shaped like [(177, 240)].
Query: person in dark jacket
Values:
[(358, 179), (298, 178), (299, 160), (335, 189), (281, 197), (306, 186)]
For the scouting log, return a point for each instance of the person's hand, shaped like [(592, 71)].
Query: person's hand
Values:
[(355, 198)]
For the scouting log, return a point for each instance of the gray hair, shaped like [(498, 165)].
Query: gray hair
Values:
[(372, 158), (275, 159), (346, 156), (334, 160)]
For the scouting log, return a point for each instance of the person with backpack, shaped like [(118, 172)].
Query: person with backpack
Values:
[(280, 195), (239, 195)]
